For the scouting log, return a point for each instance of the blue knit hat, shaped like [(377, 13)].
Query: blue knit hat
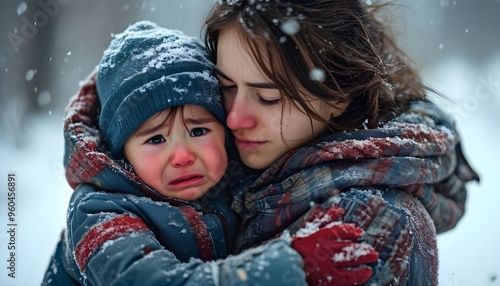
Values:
[(147, 69)]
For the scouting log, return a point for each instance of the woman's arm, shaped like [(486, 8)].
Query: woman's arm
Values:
[(398, 227)]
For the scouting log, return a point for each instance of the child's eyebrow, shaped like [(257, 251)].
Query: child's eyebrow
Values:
[(198, 121), (149, 131), (192, 121)]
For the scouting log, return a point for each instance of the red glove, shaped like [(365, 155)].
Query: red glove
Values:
[(332, 256), (321, 217)]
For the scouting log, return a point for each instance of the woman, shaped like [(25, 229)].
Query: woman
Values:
[(324, 108)]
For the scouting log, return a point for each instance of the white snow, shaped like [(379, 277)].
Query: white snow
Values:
[(42, 197), (290, 27), (30, 74), (21, 8), (352, 252), (317, 74), (313, 226)]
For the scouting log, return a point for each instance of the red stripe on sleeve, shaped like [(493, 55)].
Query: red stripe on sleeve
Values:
[(200, 232), (103, 232)]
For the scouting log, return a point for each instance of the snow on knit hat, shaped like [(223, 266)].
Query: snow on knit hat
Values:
[(147, 69)]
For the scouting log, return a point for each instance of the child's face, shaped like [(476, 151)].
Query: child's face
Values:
[(182, 157)]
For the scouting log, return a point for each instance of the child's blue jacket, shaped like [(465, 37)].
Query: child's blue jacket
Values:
[(121, 232)]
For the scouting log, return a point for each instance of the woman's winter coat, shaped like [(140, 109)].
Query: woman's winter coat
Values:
[(401, 183)]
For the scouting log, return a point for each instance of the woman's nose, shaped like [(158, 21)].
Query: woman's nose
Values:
[(239, 114), (182, 156)]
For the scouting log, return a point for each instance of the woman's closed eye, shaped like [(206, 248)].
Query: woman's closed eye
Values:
[(268, 102), (268, 95), (157, 139), (228, 90)]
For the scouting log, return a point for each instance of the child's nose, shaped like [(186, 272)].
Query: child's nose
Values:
[(182, 156)]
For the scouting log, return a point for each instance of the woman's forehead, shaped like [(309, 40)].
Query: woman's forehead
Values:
[(235, 56)]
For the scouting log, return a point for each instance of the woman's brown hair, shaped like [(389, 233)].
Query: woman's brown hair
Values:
[(356, 61)]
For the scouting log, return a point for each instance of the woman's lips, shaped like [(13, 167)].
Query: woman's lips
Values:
[(248, 146), (186, 181)]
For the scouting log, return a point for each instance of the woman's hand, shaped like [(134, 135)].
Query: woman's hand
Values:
[(333, 254)]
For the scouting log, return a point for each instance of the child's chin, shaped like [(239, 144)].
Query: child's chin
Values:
[(189, 194)]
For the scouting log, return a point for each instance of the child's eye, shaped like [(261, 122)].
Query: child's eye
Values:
[(157, 139), (195, 132)]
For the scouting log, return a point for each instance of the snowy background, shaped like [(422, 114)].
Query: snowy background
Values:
[(456, 44)]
